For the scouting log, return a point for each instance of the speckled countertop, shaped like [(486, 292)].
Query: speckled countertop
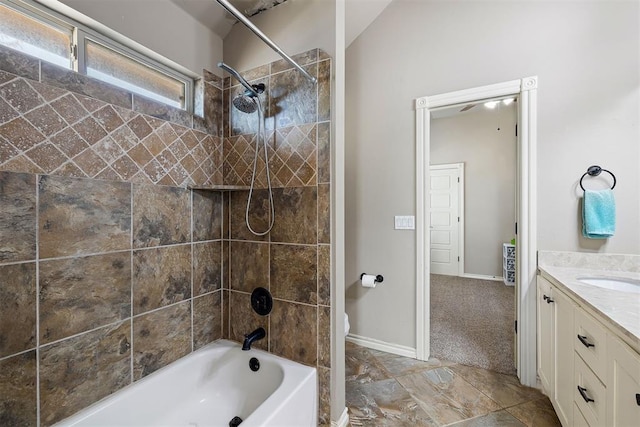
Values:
[(621, 309)]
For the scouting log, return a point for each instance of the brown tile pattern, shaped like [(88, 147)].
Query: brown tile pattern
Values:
[(85, 288), (161, 215), (324, 213), (17, 308), (95, 365), (390, 390), (55, 128), (17, 217), (207, 215), (324, 90), (249, 266), (79, 216), (292, 158), (296, 215), (18, 390), (303, 319), (324, 336), (80, 294), (324, 152), (258, 214), (207, 267), (161, 337), (161, 276), (324, 396), (207, 319), (293, 97), (293, 274), (324, 274)]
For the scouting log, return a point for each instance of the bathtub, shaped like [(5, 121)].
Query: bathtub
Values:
[(210, 387)]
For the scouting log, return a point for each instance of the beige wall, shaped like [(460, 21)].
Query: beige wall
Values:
[(586, 57), (485, 141), (161, 26), (295, 26)]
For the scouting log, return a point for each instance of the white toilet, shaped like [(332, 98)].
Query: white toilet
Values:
[(346, 324)]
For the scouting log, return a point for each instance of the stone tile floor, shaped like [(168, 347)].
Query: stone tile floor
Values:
[(383, 389)]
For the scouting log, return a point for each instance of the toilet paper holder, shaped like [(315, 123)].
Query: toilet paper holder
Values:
[(379, 277)]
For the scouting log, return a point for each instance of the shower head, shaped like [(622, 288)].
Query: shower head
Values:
[(245, 103)]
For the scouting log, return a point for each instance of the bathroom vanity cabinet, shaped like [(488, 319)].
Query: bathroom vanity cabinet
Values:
[(591, 376)]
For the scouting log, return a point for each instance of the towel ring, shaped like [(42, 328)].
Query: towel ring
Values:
[(595, 171)]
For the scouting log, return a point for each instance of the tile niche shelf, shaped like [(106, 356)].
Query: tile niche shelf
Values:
[(219, 188)]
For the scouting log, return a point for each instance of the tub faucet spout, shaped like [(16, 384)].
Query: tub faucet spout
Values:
[(256, 335)]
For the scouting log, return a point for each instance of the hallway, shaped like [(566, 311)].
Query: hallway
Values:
[(472, 322)]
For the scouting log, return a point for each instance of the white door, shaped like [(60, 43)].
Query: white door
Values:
[(445, 219)]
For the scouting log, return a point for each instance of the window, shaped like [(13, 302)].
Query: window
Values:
[(35, 30), (48, 41)]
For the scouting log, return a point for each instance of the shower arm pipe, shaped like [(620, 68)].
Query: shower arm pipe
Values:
[(240, 17), (241, 79)]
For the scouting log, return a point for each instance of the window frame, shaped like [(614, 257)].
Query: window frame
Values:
[(81, 33)]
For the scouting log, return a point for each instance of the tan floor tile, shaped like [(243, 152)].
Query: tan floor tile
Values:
[(494, 419), (505, 389), (537, 413), (446, 396), (384, 403)]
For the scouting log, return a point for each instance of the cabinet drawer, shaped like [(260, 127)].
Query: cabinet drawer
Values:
[(590, 342), (589, 394), (578, 418)]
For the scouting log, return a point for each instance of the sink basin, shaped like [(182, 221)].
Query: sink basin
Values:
[(613, 283)]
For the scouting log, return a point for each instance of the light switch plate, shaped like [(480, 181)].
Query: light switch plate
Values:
[(405, 222)]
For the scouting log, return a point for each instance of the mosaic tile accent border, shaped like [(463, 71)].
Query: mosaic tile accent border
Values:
[(47, 130), (56, 121), (297, 114), (293, 157)]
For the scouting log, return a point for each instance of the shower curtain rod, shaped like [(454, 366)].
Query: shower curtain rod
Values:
[(240, 17)]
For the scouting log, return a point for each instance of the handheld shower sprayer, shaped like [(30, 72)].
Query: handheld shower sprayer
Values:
[(249, 102)]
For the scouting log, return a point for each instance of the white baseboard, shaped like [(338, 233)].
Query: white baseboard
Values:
[(483, 277), (343, 421), (400, 350)]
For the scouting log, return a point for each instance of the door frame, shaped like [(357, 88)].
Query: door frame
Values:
[(525, 90), (460, 168)]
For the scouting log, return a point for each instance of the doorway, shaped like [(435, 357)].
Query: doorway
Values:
[(526, 91)]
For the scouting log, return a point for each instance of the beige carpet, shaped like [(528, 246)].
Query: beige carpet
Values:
[(472, 322)]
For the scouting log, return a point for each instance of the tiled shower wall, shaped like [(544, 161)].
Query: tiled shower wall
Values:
[(293, 260), (80, 160), (109, 268), (103, 283)]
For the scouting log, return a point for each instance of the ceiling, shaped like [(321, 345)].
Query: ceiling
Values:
[(358, 13), (215, 17)]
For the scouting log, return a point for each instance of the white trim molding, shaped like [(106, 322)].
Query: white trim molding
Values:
[(482, 277), (375, 344), (343, 421), (525, 90)]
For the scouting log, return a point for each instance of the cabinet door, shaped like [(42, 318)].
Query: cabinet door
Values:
[(623, 384), (564, 310), (546, 347)]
